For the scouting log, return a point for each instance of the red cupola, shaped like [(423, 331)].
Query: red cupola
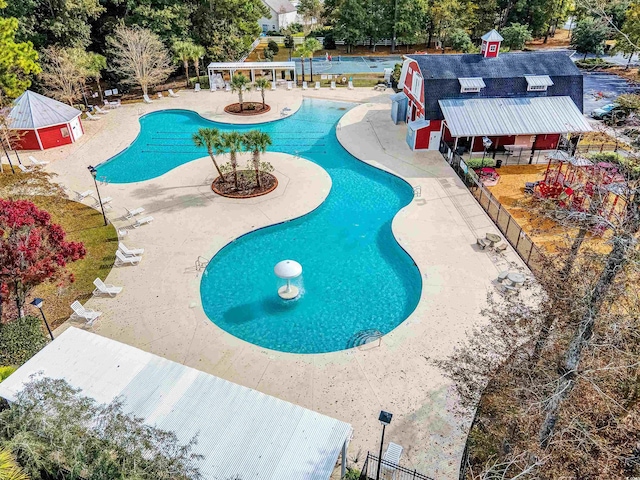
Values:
[(491, 44)]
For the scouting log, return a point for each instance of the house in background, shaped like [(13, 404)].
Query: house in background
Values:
[(510, 101), (43, 122), (281, 14)]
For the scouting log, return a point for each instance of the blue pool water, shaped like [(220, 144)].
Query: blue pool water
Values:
[(355, 276)]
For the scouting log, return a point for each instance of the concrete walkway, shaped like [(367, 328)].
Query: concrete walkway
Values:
[(160, 310)]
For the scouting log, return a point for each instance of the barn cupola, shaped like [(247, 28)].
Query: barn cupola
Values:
[(491, 44)]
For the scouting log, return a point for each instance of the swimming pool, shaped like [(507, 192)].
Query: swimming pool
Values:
[(356, 278)]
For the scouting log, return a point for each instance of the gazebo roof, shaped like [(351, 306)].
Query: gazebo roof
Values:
[(32, 110)]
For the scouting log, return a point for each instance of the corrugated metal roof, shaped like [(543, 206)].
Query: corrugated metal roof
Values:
[(241, 432), (471, 82), (252, 65), (512, 116), (32, 110), (538, 80), (492, 36)]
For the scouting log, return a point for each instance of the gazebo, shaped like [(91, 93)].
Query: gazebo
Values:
[(43, 122), (252, 67)]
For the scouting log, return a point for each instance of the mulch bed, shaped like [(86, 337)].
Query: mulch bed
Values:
[(246, 185), (249, 109)]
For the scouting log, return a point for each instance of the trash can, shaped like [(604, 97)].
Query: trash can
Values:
[(498, 163)]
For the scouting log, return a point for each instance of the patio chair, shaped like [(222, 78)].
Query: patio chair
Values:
[(173, 95), (82, 195), (391, 459), (130, 252), (482, 243), (100, 110), (304, 85), (502, 276), (227, 87), (350, 86), (333, 85), (122, 260), (23, 168), (134, 212), (146, 99), (196, 88), (317, 87), (509, 289), (112, 104), (501, 247), (289, 85), (82, 312), (91, 117), (105, 202), (105, 289), (142, 221), (159, 95), (37, 162)]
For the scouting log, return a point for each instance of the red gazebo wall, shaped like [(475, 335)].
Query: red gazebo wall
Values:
[(49, 137)]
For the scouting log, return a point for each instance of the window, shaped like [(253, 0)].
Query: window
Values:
[(493, 48), (416, 85), (469, 89), (537, 88), (64, 131)]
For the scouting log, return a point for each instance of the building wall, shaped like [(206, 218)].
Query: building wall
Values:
[(270, 22), (286, 19), (416, 102), (546, 142), (28, 141), (424, 134), (55, 136)]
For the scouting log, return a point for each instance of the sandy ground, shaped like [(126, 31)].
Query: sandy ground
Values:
[(160, 310)]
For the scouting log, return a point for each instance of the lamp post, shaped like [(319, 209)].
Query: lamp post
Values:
[(94, 174), (385, 419), (37, 302)]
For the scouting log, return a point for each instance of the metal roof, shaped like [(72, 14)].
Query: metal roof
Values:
[(538, 80), (472, 82), (252, 65), (32, 110), (280, 6), (512, 116), (241, 432), (492, 36)]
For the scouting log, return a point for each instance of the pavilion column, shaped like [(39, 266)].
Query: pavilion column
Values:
[(473, 139), (455, 144), (295, 77), (230, 75), (343, 466), (252, 75), (273, 75)]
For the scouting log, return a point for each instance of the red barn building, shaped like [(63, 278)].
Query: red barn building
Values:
[(512, 101), (43, 122)]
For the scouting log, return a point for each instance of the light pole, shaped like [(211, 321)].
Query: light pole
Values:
[(37, 302), (94, 174), (385, 419)]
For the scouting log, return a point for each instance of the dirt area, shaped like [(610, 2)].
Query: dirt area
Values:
[(246, 184), (560, 39), (546, 233)]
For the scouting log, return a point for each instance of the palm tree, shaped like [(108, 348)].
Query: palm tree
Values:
[(232, 141), (184, 53), (313, 45), (263, 83), (303, 52), (256, 142), (9, 468), (210, 138), (197, 52), (240, 83)]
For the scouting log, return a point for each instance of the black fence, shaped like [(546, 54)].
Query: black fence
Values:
[(388, 471), (514, 234)]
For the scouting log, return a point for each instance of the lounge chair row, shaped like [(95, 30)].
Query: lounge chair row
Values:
[(146, 98)]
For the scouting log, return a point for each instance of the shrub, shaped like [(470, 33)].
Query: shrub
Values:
[(20, 340), (329, 41), (352, 474), (273, 46), (5, 372), (395, 75), (272, 33), (591, 63), (479, 162), (268, 54)]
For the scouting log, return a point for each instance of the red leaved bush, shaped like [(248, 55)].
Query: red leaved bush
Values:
[(32, 250)]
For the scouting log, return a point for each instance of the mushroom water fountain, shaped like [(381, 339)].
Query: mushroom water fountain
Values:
[(288, 270)]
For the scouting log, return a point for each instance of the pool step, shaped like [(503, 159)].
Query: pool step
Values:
[(363, 337)]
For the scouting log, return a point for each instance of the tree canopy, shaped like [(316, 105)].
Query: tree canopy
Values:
[(18, 60)]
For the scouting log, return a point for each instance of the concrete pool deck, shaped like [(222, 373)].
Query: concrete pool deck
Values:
[(160, 310)]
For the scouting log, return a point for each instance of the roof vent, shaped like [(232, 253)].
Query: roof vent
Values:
[(491, 44)]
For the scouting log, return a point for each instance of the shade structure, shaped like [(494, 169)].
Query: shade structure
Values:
[(242, 433), (288, 269), (43, 122)]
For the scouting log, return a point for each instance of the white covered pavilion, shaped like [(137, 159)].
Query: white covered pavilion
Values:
[(252, 67)]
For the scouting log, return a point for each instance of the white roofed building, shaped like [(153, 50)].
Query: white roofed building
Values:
[(282, 13)]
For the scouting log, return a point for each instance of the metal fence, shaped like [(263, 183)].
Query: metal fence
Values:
[(388, 471), (514, 234)]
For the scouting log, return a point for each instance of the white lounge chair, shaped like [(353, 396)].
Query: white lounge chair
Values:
[(130, 252), (142, 221), (333, 85), (105, 202), (227, 87), (159, 95), (112, 104), (100, 111), (23, 168), (82, 195), (105, 289), (91, 117), (146, 98), (87, 314), (121, 259), (350, 86), (304, 85), (317, 86), (391, 458), (196, 88), (134, 212), (174, 95), (289, 85), (36, 161)]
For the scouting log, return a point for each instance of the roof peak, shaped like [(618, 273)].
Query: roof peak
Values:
[(492, 36)]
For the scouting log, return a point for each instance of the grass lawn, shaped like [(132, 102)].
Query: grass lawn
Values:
[(82, 224)]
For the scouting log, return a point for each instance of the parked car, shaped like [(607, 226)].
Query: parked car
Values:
[(600, 113)]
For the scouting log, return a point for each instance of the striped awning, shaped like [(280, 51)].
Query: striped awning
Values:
[(471, 83), (539, 80), (476, 117)]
